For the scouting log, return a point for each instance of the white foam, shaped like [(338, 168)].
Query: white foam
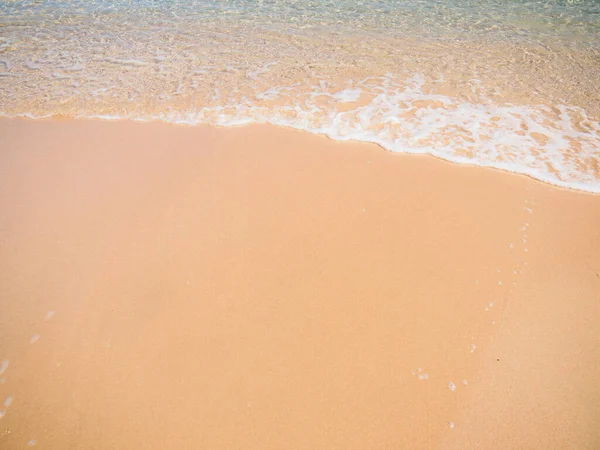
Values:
[(270, 94), (347, 95)]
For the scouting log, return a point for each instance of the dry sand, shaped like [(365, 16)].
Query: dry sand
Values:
[(175, 287)]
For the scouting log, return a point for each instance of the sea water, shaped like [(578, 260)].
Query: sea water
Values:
[(511, 84)]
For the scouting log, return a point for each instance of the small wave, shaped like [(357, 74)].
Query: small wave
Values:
[(558, 145)]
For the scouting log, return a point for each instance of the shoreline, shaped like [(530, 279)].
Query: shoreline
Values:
[(265, 287), (463, 161)]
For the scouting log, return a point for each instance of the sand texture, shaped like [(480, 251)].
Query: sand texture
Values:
[(194, 287)]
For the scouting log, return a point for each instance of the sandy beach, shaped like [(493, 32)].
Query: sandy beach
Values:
[(167, 286)]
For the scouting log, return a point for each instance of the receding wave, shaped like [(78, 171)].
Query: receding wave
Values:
[(472, 82)]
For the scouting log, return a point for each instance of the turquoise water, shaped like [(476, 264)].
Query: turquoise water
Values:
[(485, 19), (511, 84)]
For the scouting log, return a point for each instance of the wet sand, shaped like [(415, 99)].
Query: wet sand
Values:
[(258, 287)]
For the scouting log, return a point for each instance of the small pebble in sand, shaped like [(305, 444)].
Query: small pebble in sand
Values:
[(34, 338), (451, 425), (452, 386), (49, 315)]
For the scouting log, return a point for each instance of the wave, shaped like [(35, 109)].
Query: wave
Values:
[(559, 145)]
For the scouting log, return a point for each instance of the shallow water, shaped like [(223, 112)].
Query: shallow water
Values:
[(511, 84)]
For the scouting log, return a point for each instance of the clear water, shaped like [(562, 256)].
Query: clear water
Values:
[(507, 84)]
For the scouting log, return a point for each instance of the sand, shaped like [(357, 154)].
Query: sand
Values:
[(193, 287)]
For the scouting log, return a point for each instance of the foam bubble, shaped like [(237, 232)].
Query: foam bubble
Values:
[(347, 95)]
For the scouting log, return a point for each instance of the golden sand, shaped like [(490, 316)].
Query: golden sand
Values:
[(257, 287)]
